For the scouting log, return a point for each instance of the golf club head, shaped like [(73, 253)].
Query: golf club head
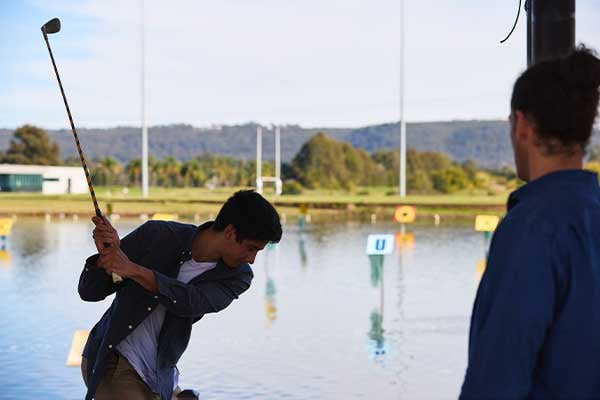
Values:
[(51, 26)]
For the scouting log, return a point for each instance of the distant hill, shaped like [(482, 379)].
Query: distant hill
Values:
[(486, 142)]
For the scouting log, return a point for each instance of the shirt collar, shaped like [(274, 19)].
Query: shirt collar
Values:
[(186, 250), (551, 182)]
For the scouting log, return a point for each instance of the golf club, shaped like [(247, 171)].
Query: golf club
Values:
[(53, 26)]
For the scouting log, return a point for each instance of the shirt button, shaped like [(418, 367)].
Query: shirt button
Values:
[(149, 308), (130, 327), (110, 346), (180, 262), (87, 269), (156, 297), (174, 301)]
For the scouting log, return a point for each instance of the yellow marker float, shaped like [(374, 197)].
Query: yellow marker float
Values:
[(405, 214), (486, 223), (79, 339)]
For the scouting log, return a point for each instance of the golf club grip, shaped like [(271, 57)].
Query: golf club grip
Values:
[(115, 277)]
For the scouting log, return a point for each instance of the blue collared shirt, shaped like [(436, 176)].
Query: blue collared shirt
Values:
[(162, 247), (535, 328)]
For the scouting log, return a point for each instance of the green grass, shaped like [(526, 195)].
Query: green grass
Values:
[(204, 202)]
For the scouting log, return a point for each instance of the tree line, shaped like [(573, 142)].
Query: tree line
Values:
[(322, 163)]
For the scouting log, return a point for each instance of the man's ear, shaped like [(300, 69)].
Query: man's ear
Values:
[(230, 233), (524, 128)]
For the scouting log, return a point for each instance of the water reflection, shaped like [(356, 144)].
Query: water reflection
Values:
[(302, 249), (376, 316), (270, 289), (5, 258)]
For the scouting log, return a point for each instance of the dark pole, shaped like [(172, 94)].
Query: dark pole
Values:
[(550, 29)]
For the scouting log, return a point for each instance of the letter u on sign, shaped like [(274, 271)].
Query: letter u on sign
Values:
[(380, 244)]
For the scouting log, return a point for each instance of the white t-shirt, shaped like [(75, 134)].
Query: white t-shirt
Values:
[(140, 347)]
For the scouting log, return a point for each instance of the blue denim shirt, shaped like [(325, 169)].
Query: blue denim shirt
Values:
[(535, 328), (162, 247)]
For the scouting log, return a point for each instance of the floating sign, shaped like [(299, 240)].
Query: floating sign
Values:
[(405, 214), (486, 223), (380, 244)]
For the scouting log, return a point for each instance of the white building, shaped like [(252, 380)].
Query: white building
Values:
[(42, 178)]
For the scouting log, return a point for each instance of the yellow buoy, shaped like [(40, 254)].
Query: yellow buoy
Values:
[(5, 226), (164, 217), (79, 339), (486, 223), (405, 214)]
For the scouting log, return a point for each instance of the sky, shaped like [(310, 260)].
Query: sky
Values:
[(317, 63)]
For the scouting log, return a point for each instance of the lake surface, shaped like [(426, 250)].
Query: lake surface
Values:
[(321, 320)]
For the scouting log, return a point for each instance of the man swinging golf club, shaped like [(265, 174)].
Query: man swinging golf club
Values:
[(166, 276), (172, 274)]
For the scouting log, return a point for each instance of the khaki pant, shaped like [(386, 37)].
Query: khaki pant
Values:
[(121, 381)]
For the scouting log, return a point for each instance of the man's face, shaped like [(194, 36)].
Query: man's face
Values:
[(237, 253)]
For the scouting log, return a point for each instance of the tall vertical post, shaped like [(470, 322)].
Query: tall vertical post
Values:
[(552, 29), (278, 183), (259, 182), (402, 184), (144, 128)]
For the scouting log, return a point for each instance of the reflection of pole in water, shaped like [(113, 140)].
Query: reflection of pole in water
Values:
[(270, 289), (376, 262), (302, 249), (486, 243), (376, 317)]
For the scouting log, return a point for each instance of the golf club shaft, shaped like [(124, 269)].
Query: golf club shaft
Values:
[(116, 278)]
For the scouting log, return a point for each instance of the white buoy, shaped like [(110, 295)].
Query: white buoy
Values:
[(436, 219), (48, 217), (373, 218)]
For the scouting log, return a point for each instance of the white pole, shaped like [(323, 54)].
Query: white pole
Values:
[(259, 182), (402, 185), (144, 128), (278, 185)]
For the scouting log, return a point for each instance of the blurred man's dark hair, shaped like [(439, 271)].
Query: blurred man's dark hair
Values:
[(252, 216)]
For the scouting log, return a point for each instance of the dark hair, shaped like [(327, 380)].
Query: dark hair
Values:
[(252, 216), (560, 97)]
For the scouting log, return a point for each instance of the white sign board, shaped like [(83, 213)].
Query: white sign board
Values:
[(380, 244)]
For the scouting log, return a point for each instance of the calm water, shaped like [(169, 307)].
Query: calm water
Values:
[(319, 322)]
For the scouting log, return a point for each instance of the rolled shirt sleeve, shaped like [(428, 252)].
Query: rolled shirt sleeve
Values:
[(513, 311), (195, 300)]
